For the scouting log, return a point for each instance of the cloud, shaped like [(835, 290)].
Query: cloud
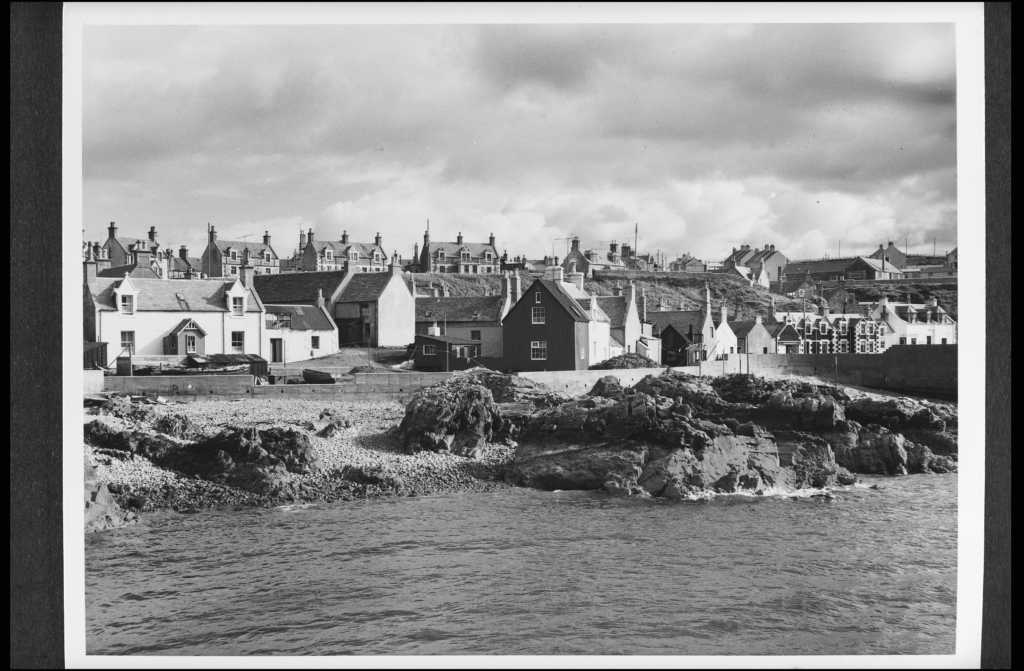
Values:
[(533, 132)]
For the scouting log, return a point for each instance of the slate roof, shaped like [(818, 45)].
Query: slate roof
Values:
[(680, 320), (477, 250), (133, 271), (184, 323), (837, 266), (776, 329), (459, 308), (364, 288), (741, 329), (303, 317), (162, 295), (234, 358), (342, 249), (293, 288), (128, 242), (254, 247), (615, 308), (881, 266), (574, 309), (588, 305)]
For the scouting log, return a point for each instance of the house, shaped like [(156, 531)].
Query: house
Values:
[(913, 323), (119, 249), (752, 337), (367, 308), (587, 261), (474, 319), (820, 270), (363, 257), (473, 258), (927, 272), (548, 328), (434, 352), (689, 337), (857, 334), (157, 317), (223, 258), (295, 333), (628, 326), (739, 257), (767, 264), (687, 264), (951, 259), (785, 337), (866, 268), (890, 254)]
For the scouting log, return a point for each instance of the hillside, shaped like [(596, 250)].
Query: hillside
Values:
[(919, 292)]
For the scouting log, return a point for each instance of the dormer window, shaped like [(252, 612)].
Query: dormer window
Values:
[(465, 256), (237, 305), (376, 257), (266, 256), (234, 255), (327, 253), (440, 254), (128, 305), (488, 256)]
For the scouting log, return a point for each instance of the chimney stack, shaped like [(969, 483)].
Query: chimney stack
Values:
[(152, 233), (426, 238), (395, 268), (576, 278), (491, 240), (143, 257), (516, 287), (576, 242), (630, 293), (435, 292), (344, 237), (302, 239), (557, 273), (89, 266), (613, 247), (183, 253), (458, 240), (320, 298), (266, 238), (642, 305), (376, 239), (112, 230), (213, 235), (247, 271), (165, 266), (617, 289), (433, 330), (725, 313), (309, 235)]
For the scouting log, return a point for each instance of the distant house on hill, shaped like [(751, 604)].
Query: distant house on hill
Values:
[(468, 258), (928, 272), (687, 264), (223, 258), (890, 254), (913, 323), (586, 261), (118, 249), (327, 255), (952, 259)]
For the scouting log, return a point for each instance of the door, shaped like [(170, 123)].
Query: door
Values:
[(277, 350)]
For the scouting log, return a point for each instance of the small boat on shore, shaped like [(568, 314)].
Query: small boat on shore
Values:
[(316, 377)]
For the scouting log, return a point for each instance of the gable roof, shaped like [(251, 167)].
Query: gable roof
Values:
[(187, 323), (777, 331), (459, 308), (741, 329), (163, 295), (591, 306), (254, 247), (364, 287), (680, 320), (560, 295), (880, 265), (303, 317), (146, 273), (338, 248), (294, 288), (615, 308)]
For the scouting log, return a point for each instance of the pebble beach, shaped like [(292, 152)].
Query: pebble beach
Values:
[(372, 443)]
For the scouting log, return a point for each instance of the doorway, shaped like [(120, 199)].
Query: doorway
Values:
[(277, 350)]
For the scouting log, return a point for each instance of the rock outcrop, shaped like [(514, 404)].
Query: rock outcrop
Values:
[(458, 416), (101, 511)]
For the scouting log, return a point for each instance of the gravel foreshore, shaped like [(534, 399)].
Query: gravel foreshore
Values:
[(371, 444)]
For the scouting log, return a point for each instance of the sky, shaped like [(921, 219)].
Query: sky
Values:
[(817, 138)]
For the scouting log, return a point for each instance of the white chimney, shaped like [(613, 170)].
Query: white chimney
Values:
[(433, 330)]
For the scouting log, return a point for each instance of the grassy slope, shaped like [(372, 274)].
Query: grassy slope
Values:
[(919, 292)]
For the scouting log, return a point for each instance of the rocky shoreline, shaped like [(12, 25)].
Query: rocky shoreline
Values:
[(672, 436)]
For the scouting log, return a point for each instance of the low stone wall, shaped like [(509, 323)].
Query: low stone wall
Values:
[(93, 381), (179, 385), (582, 381)]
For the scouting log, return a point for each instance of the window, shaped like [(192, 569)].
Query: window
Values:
[(128, 305), (315, 342), (474, 335), (537, 315), (234, 255), (234, 270), (765, 350), (732, 350), (943, 341), (128, 341), (903, 340), (913, 341), (268, 271), (536, 297), (329, 254), (238, 341), (842, 328), (266, 256), (538, 350), (465, 256), (928, 341), (190, 343), (440, 254), (236, 305), (429, 350)]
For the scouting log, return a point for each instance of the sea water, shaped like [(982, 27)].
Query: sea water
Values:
[(530, 572)]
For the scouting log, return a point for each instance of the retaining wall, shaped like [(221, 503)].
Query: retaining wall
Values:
[(179, 385), (93, 381)]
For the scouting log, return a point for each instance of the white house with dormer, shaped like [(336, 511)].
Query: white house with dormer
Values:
[(164, 318)]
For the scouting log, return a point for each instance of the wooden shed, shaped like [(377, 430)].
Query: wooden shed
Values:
[(95, 355)]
